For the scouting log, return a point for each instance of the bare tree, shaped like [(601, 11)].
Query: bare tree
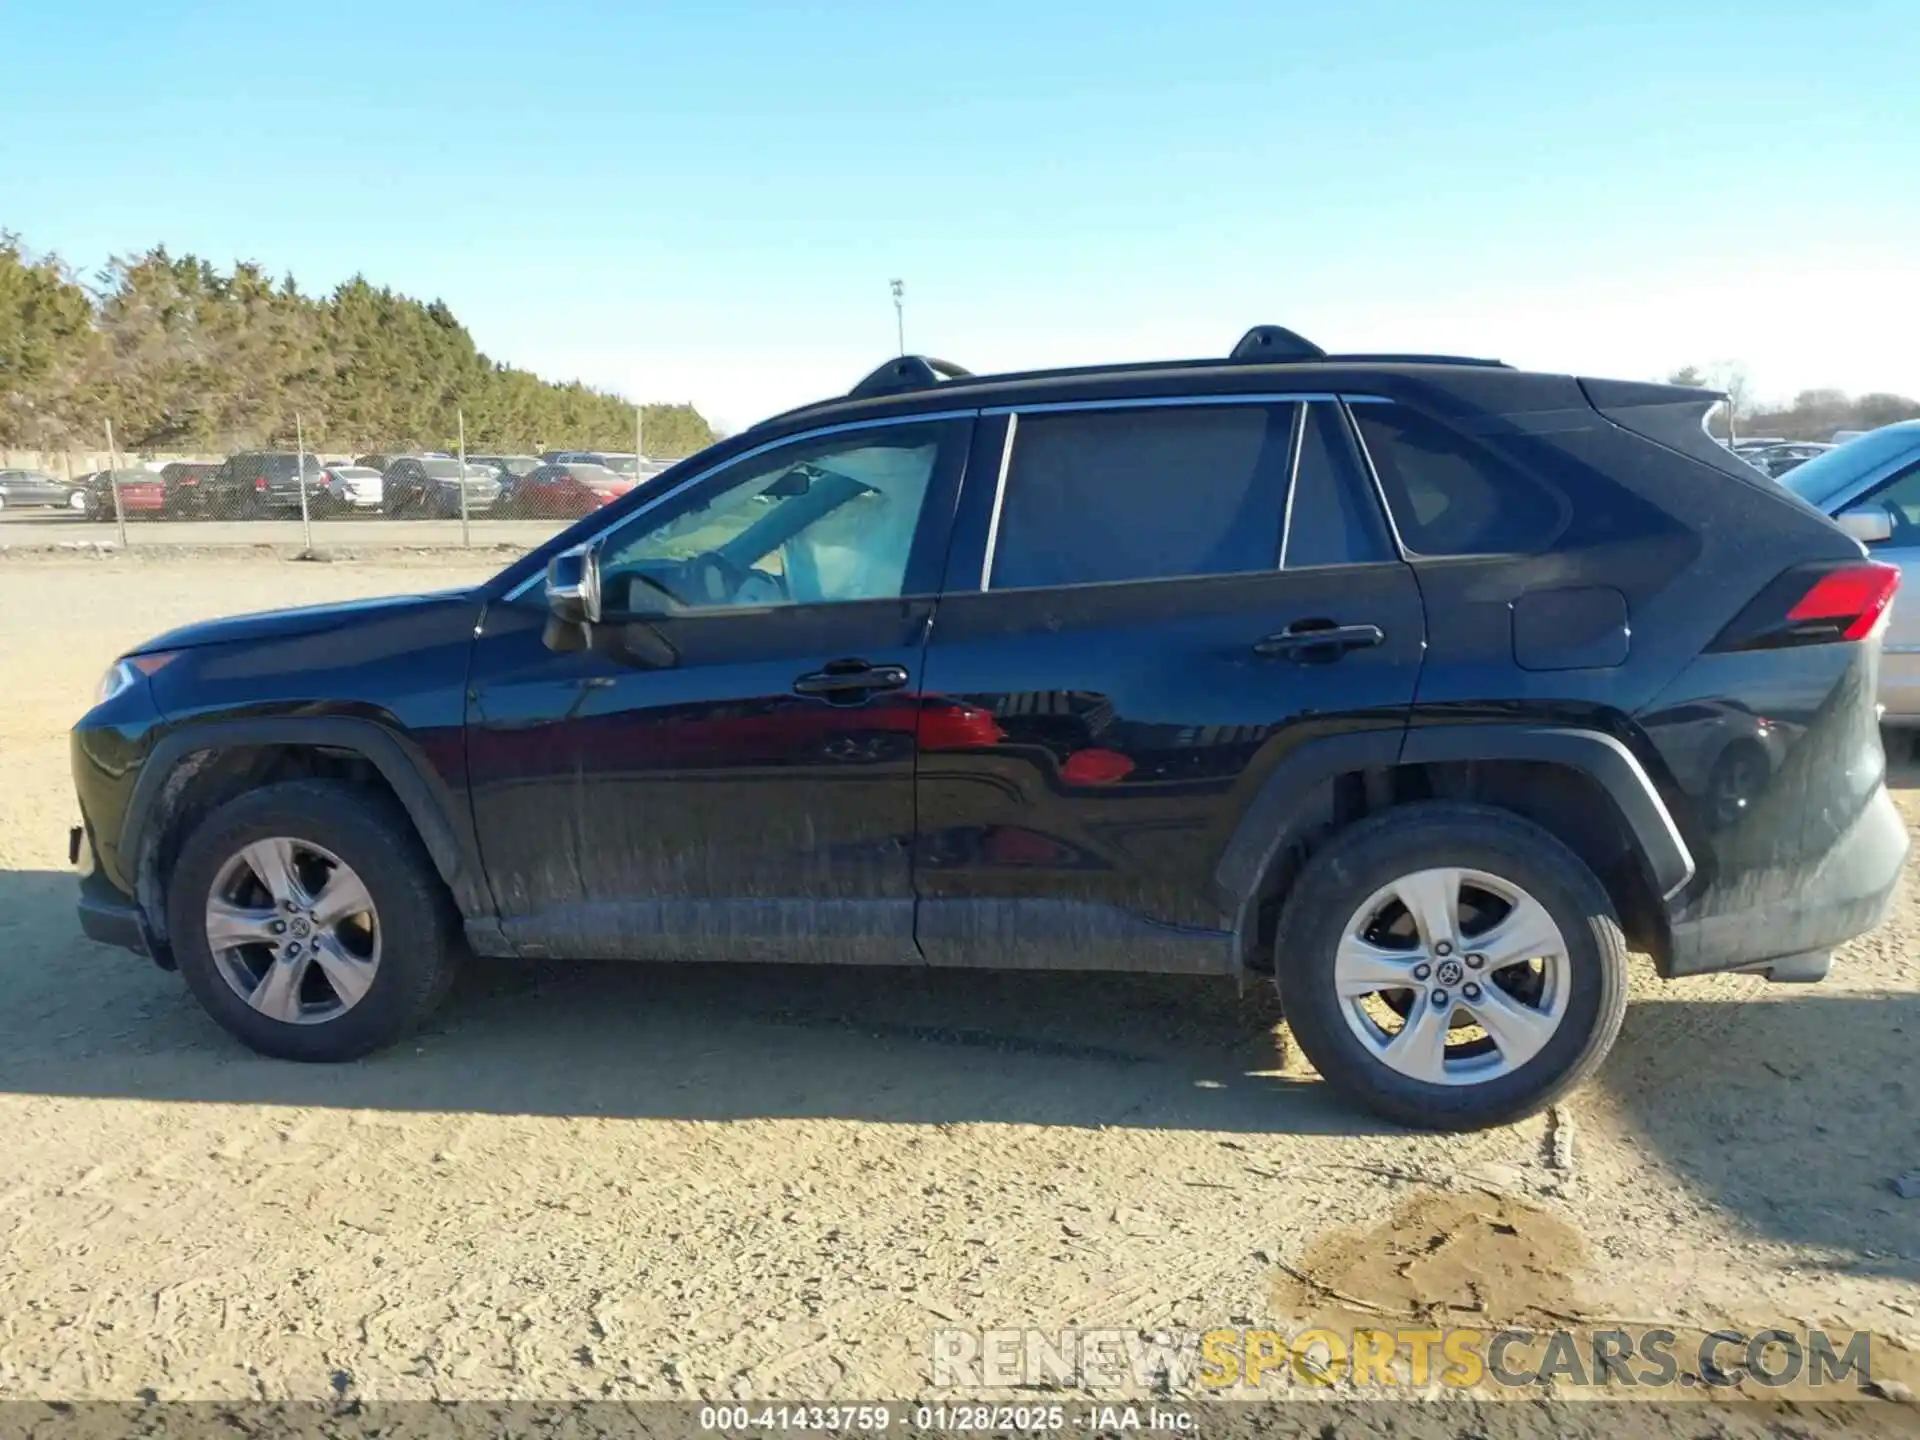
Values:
[(1731, 379)]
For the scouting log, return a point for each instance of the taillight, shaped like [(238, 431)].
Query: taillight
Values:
[(259, 482), (1814, 605)]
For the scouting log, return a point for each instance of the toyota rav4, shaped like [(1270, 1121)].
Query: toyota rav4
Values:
[(1424, 686)]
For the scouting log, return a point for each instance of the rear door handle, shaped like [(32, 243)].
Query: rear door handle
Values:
[(844, 676), (1318, 641)]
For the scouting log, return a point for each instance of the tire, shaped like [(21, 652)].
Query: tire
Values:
[(416, 956), (1584, 978)]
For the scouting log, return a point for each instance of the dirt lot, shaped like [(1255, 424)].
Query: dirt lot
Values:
[(631, 1181)]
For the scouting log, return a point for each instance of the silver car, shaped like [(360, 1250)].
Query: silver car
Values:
[(22, 488), (1871, 487)]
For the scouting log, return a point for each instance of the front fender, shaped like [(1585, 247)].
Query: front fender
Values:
[(442, 821)]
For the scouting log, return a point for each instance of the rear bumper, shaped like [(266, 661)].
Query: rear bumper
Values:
[(1846, 896)]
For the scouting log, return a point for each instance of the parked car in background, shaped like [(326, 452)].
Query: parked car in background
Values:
[(256, 483), (143, 494), (185, 481), (1776, 460), (35, 489), (508, 465), (422, 487), (350, 487), (381, 460), (1871, 486), (552, 491)]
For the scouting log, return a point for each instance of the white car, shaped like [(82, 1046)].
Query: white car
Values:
[(351, 487), (1871, 487)]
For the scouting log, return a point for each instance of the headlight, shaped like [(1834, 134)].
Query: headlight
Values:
[(122, 674), (119, 676)]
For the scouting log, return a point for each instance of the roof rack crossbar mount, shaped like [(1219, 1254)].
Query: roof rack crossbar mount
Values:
[(907, 373), (1265, 344)]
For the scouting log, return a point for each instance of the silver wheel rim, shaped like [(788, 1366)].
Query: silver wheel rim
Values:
[(293, 931), (77, 501), (1452, 976)]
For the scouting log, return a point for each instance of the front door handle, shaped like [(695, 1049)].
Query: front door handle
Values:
[(844, 676), (1318, 641)]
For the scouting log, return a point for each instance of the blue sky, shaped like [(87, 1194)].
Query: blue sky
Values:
[(706, 200)]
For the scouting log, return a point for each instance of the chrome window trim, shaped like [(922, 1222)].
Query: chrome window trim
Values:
[(1296, 442), (1298, 399), (999, 499), (1166, 402), (1366, 459), (790, 437)]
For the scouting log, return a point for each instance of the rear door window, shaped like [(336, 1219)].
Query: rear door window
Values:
[(1096, 496), (1449, 496), (1333, 517)]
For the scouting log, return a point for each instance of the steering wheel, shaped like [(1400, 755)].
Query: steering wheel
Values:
[(713, 579)]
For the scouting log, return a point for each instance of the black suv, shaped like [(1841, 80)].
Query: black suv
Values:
[(257, 483), (1427, 686)]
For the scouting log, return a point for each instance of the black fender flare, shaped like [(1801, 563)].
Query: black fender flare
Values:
[(441, 821), (1608, 763), (1287, 797), (1283, 806)]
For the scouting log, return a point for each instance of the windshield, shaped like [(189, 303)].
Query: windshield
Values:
[(1837, 469)]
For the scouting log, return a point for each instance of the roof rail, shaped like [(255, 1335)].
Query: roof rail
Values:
[(908, 372), (1262, 345), (1387, 359), (1266, 344)]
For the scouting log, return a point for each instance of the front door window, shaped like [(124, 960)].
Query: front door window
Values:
[(828, 519)]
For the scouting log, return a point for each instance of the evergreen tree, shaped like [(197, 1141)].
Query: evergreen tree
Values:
[(180, 356)]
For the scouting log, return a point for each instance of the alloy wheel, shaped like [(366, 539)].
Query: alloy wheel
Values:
[(1453, 976), (293, 931)]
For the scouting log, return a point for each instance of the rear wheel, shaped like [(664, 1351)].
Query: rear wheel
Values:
[(1451, 966), (308, 920)]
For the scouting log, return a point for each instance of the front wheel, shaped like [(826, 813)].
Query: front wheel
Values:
[(308, 920), (1451, 966)]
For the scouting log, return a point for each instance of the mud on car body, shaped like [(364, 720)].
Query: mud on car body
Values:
[(1425, 686)]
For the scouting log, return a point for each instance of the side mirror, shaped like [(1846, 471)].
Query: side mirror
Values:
[(1868, 524), (573, 585)]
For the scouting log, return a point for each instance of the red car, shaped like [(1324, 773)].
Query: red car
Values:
[(143, 494), (561, 491)]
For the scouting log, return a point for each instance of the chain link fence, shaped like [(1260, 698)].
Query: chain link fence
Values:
[(377, 492)]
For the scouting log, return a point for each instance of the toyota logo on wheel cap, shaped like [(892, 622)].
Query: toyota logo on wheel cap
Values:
[(1449, 972)]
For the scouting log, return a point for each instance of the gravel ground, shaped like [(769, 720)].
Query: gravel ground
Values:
[(632, 1181)]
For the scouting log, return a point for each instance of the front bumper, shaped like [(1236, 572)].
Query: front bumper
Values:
[(106, 914), (1848, 895)]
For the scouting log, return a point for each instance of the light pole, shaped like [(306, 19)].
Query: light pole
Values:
[(899, 288)]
